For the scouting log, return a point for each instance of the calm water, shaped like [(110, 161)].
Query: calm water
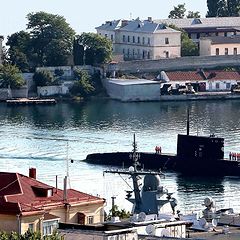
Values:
[(38, 136)]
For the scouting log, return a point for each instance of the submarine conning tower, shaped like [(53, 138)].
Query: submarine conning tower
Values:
[(204, 148), (200, 148)]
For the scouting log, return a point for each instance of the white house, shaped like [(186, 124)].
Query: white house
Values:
[(202, 81), (136, 39)]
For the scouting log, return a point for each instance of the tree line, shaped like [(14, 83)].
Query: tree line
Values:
[(48, 40), (216, 8)]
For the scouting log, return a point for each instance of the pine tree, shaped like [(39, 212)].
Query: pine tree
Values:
[(233, 7), (217, 8)]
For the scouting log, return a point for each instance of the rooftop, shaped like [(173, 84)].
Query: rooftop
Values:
[(22, 194), (224, 40), (203, 75), (136, 25), (186, 23)]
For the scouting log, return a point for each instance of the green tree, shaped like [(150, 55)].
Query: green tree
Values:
[(188, 47), (121, 213), (217, 8), (78, 53), (19, 51), (233, 8), (28, 236), (11, 76), (97, 49), (52, 38), (83, 86), (44, 78), (192, 14), (178, 12)]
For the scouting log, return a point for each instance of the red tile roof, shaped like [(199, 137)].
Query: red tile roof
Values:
[(197, 76), (18, 194)]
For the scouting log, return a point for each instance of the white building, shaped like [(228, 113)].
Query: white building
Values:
[(130, 90), (136, 39), (202, 81)]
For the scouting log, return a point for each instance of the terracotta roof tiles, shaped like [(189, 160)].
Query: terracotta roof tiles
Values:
[(18, 193)]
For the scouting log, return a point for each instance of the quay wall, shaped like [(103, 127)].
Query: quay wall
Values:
[(182, 63)]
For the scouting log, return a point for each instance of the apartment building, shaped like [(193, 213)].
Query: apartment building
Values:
[(137, 39)]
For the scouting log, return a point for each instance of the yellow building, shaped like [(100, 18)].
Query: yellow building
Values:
[(26, 203), (219, 45)]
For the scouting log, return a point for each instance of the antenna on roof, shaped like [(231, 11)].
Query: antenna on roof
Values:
[(67, 167)]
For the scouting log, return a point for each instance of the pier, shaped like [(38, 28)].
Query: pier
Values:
[(29, 101)]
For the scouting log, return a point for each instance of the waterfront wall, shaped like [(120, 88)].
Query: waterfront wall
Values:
[(183, 63)]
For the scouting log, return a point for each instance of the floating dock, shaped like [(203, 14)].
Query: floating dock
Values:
[(29, 101)]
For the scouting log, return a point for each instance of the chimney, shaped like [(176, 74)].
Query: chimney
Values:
[(56, 183), (150, 19), (124, 23), (33, 173), (65, 189)]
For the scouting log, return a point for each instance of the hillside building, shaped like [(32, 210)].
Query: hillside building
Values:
[(136, 39)]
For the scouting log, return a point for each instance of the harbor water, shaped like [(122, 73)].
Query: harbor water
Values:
[(44, 137)]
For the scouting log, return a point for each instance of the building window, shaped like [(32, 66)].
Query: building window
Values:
[(124, 38), (166, 41), (226, 51), (217, 51), (128, 38), (217, 85), (235, 51), (167, 54), (31, 227), (216, 33), (123, 51), (90, 219), (225, 34), (49, 227), (198, 35), (112, 37), (138, 40), (148, 55), (133, 39), (228, 85), (143, 40), (148, 41)]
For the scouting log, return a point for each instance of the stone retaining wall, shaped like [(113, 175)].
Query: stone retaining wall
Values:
[(183, 63)]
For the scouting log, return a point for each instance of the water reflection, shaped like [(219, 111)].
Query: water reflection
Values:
[(38, 135)]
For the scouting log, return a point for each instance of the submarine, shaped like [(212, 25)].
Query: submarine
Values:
[(196, 155)]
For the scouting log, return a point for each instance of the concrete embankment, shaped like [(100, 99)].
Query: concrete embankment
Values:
[(200, 96)]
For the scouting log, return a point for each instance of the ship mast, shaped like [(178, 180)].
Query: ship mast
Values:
[(135, 175)]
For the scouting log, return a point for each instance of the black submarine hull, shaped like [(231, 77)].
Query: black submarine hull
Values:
[(153, 161)]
